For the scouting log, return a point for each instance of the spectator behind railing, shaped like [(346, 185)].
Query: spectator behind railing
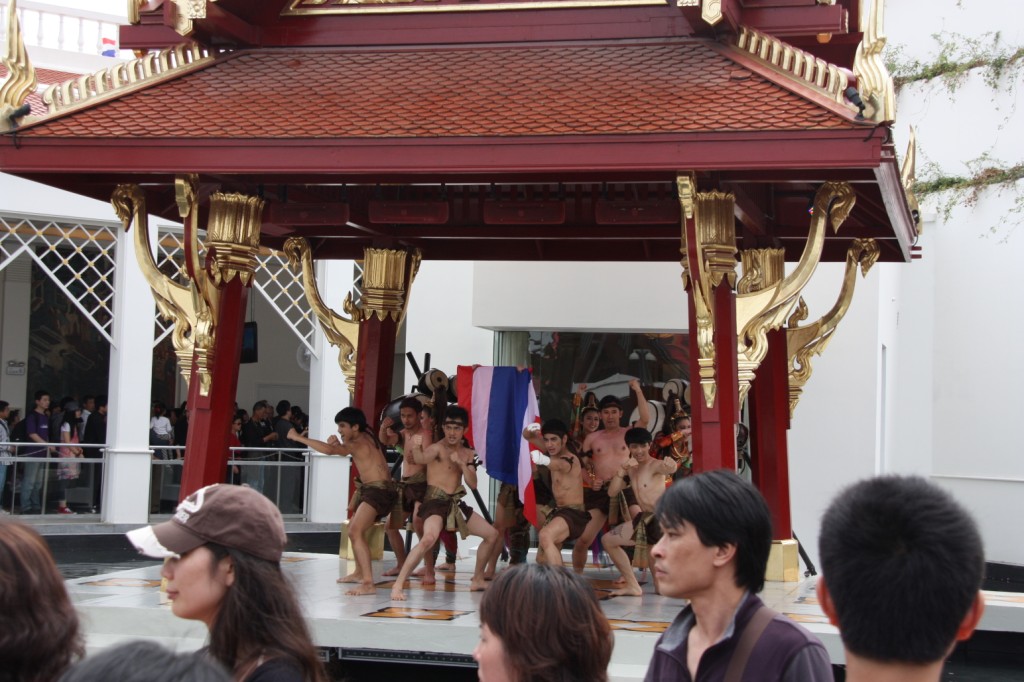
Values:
[(5, 450), (39, 632)]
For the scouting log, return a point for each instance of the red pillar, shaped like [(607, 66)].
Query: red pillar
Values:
[(210, 415), (375, 365), (769, 422)]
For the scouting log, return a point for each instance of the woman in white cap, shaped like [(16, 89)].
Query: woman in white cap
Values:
[(222, 562)]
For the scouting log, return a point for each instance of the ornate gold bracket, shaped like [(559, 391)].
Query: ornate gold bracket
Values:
[(21, 75), (759, 311), (805, 342), (908, 177), (341, 332), (708, 263), (232, 244), (388, 275), (875, 83), (185, 11)]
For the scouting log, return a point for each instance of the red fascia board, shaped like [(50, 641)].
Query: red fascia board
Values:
[(560, 155), (894, 196), (786, 21)]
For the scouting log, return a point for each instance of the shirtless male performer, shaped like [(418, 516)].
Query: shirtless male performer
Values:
[(604, 452), (646, 475), (448, 462), (377, 492), (569, 517), (413, 485)]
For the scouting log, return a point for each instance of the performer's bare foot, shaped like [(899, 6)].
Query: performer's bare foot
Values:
[(428, 579), (621, 580), (446, 567), (392, 571), (354, 577), (627, 592), (363, 588), (419, 572), (477, 585), (397, 594)]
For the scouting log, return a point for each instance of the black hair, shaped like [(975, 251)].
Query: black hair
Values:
[(282, 407), (3, 406), (142, 661), (555, 427), (40, 394), (456, 413), (412, 404), (101, 401), (609, 401), (86, 398), (903, 563), (638, 436), (352, 416), (723, 509)]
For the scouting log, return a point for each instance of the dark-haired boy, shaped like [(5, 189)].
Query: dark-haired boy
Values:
[(448, 462), (903, 565), (569, 517), (413, 485), (646, 476), (376, 491), (716, 536)]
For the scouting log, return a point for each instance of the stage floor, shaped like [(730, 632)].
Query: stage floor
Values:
[(437, 623)]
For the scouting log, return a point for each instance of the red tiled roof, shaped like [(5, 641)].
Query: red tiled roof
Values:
[(44, 77), (687, 86)]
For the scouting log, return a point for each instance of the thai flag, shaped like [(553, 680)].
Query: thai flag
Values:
[(501, 403), (109, 47)]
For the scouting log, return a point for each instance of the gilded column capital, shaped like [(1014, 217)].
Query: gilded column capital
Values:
[(388, 275), (233, 236)]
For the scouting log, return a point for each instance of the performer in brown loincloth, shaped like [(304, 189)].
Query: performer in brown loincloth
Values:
[(646, 475), (569, 518), (448, 462), (604, 452), (376, 493), (413, 485)]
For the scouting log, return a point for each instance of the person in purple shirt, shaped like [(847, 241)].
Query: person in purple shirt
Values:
[(714, 551), (38, 429)]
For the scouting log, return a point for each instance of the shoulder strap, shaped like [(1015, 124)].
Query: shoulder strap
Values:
[(748, 640)]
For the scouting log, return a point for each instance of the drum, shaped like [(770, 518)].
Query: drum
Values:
[(673, 386), (453, 392), (431, 379), (658, 412)]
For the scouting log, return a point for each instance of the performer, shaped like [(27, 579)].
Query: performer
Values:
[(569, 517), (375, 494), (413, 485), (676, 445), (508, 514), (646, 475), (604, 452), (448, 462)]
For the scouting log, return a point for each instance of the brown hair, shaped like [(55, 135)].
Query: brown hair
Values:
[(550, 625), (260, 617), (39, 638)]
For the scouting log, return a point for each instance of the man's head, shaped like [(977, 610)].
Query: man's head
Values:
[(351, 418), (409, 413), (259, 410), (101, 404), (456, 419), (89, 403), (611, 412), (902, 565), (42, 400), (283, 408), (5, 409), (717, 527), (556, 435), (638, 440)]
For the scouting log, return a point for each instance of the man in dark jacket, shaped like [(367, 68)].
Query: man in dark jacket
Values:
[(96, 433), (714, 551)]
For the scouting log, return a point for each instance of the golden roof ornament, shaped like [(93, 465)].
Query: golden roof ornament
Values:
[(874, 82), (21, 75)]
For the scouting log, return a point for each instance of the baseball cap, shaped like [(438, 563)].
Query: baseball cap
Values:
[(233, 516)]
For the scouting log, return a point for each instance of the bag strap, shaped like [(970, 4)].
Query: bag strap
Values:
[(748, 640)]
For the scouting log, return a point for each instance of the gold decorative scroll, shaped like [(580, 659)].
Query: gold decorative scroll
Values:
[(805, 342), (908, 177), (387, 280), (185, 11), (20, 81), (707, 264), (762, 268), (874, 82), (173, 300), (341, 332), (758, 312), (803, 67)]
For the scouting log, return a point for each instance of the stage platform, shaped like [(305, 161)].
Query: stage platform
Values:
[(438, 624)]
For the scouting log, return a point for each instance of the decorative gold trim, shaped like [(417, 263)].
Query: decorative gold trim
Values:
[(135, 11), (874, 82), (341, 332), (233, 236), (713, 264), (386, 281), (795, 63), (116, 80), (759, 312), (174, 301), (762, 268), (908, 177), (711, 11), (805, 342), (687, 3), (20, 81), (405, 8)]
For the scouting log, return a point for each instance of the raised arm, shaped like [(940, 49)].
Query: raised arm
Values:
[(419, 454), (618, 482), (643, 410), (386, 435), (332, 447), (668, 466), (533, 436), (468, 470)]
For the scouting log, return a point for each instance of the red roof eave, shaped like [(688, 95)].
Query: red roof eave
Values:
[(828, 149)]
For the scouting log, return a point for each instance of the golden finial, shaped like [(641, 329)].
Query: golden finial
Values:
[(21, 75)]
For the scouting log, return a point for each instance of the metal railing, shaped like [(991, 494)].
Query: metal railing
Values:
[(55, 479)]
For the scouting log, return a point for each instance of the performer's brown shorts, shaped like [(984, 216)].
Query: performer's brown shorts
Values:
[(440, 508), (575, 517), (412, 493), (381, 495), (598, 499), (652, 527), (542, 487)]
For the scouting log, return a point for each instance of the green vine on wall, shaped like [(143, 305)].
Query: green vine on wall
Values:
[(958, 54), (951, 191)]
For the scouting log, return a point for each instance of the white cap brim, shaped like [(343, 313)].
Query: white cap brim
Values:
[(145, 541)]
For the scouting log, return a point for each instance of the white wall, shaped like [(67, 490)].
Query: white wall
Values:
[(277, 365)]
